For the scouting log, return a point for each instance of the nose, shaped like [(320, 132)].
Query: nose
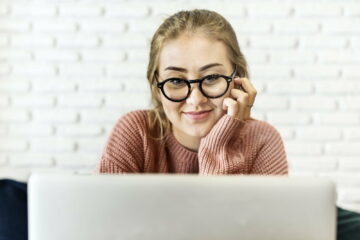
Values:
[(196, 97)]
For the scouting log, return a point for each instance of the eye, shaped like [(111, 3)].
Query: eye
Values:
[(175, 83), (211, 79)]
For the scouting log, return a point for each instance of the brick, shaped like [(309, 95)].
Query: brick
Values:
[(52, 145), (290, 87), (249, 26), (337, 87), (127, 10), (318, 133), (350, 195), (4, 69), (136, 85), (3, 161), (30, 130), (126, 70), (352, 133), (296, 26), (313, 103), (80, 70), (54, 26), (80, 100), (101, 85), (33, 69), (106, 115), (31, 160), (342, 26), (147, 27), (316, 71), (134, 55), (343, 56), (55, 55), (274, 71), (318, 164), (79, 10), (14, 25), (55, 116), (303, 148), (351, 9), (94, 145), (269, 102), (4, 40), (254, 56), (33, 10), (126, 41), (13, 145), (338, 118), (291, 57), (77, 160), (79, 130), (4, 9), (14, 115), (271, 42), (3, 131), (55, 86), (289, 118), (318, 9), (4, 101), (322, 42), (347, 179), (351, 164), (343, 149), (350, 103), (14, 55), (268, 10), (77, 41), (351, 72), (32, 101), (102, 55), (286, 133), (102, 25), (31, 40), (127, 100), (14, 85)]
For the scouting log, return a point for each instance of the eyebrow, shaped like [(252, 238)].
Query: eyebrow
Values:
[(203, 68)]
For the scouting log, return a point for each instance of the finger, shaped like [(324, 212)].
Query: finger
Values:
[(247, 87), (232, 107), (243, 99)]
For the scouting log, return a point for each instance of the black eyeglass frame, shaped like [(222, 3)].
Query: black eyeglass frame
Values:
[(200, 81)]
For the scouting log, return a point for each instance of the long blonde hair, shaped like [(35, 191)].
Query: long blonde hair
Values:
[(210, 23)]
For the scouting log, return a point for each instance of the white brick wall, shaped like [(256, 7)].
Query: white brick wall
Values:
[(67, 66)]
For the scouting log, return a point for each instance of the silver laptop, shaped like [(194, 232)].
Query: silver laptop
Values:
[(159, 207)]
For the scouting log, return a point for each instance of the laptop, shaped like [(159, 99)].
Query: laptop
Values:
[(179, 207)]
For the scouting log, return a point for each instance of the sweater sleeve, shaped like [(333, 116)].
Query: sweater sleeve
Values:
[(262, 151), (124, 150), (216, 154)]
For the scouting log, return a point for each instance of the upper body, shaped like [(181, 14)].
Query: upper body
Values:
[(202, 99), (231, 147)]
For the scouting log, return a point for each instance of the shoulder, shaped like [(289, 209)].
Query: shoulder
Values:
[(134, 121)]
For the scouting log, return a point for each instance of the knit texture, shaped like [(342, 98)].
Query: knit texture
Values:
[(231, 147)]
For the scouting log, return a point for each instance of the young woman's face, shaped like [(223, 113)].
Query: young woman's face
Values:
[(192, 57)]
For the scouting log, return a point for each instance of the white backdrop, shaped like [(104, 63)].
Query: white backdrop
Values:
[(69, 69)]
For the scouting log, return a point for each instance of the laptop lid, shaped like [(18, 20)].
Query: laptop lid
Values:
[(187, 207)]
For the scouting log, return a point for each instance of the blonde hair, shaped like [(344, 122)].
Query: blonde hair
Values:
[(210, 23)]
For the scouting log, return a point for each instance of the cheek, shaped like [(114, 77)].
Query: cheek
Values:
[(170, 108)]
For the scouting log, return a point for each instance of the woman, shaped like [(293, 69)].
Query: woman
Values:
[(202, 103)]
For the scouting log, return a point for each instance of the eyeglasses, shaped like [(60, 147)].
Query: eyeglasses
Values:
[(211, 86)]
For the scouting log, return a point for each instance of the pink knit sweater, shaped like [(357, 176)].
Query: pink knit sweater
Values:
[(231, 147)]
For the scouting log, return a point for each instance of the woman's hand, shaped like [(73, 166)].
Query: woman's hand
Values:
[(241, 99)]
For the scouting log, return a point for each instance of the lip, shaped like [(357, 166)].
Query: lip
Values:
[(197, 115)]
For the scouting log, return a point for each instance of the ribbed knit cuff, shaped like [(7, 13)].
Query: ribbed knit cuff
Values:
[(221, 133)]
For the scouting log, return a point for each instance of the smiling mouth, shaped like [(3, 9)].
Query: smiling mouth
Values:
[(197, 115)]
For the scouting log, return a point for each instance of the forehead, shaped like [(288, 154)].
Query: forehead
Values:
[(192, 52)]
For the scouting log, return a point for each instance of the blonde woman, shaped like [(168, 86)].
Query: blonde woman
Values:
[(201, 121)]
